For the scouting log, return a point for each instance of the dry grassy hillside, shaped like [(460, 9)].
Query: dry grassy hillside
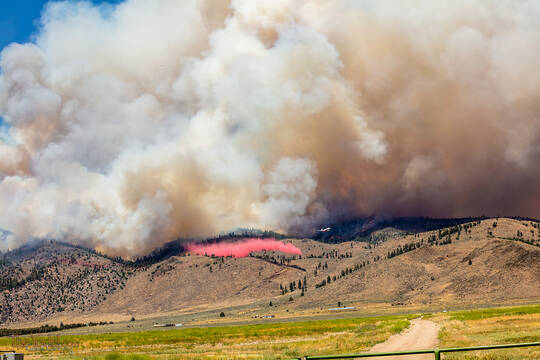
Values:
[(51, 277), (500, 270), (183, 283), (479, 263), (494, 260), (435, 271)]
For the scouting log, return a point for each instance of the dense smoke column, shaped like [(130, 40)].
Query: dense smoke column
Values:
[(131, 125)]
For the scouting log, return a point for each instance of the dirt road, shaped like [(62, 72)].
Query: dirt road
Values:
[(422, 334)]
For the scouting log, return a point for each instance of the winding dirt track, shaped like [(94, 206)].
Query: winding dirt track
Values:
[(422, 334)]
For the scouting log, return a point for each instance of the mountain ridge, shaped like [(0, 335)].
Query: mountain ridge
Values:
[(491, 258)]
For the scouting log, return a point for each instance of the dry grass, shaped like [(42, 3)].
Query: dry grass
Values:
[(489, 327)]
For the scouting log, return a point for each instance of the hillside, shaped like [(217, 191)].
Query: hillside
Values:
[(488, 261), (49, 277), (363, 229)]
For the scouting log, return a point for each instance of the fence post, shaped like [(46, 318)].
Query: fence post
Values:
[(437, 355)]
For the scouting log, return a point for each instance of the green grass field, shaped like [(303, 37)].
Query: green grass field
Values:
[(268, 341), (294, 339)]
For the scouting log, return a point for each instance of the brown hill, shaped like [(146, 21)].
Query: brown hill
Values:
[(49, 277), (494, 260)]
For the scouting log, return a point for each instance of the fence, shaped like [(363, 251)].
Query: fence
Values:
[(436, 352)]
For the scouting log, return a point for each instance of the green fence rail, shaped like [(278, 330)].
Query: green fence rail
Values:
[(436, 352)]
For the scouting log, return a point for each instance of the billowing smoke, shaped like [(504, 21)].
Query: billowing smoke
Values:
[(131, 125), (242, 248)]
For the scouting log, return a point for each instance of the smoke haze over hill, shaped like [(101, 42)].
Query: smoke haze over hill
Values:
[(131, 125)]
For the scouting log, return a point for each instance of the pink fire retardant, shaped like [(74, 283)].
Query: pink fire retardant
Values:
[(242, 248)]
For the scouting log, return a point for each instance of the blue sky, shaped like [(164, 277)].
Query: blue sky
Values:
[(18, 19)]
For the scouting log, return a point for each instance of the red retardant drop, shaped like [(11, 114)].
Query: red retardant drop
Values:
[(242, 248)]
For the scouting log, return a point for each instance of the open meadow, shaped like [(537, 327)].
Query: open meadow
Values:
[(491, 326), (295, 339), (267, 341)]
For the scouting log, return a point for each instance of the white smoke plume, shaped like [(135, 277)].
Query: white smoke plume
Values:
[(135, 124)]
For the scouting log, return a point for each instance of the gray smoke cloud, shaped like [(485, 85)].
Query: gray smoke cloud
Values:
[(135, 124)]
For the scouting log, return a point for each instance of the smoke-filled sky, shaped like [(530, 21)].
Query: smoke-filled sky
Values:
[(130, 125)]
